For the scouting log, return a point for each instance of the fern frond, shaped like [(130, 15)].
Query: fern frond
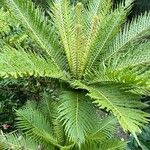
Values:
[(107, 144), (113, 144), (10, 29), (17, 142), (49, 109), (35, 126), (135, 55), (19, 63), (40, 28), (58, 129), (6, 20), (107, 30), (105, 128), (64, 21), (124, 105), (129, 67), (68, 21), (138, 28), (134, 79), (75, 112), (93, 19)]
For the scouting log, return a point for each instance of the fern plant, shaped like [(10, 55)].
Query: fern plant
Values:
[(96, 61), (40, 123)]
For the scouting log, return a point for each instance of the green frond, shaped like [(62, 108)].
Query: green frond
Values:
[(99, 8), (109, 27), (49, 109), (113, 144), (124, 105), (39, 27), (5, 20), (45, 106), (35, 126), (105, 128), (77, 31), (135, 55), (58, 130), (93, 18), (129, 67), (68, 21), (19, 63), (10, 29), (133, 31), (64, 21), (108, 144), (75, 112), (134, 79), (15, 141)]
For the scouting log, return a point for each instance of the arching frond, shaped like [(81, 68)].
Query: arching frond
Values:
[(64, 19), (19, 63), (124, 105), (49, 109), (109, 27), (108, 144), (70, 25), (103, 129), (35, 126), (135, 80), (135, 55), (17, 142), (38, 27), (138, 28), (75, 112), (96, 8), (113, 144), (93, 19), (129, 67), (102, 132)]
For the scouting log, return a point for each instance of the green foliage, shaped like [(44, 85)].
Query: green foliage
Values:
[(138, 8), (15, 92), (75, 111), (41, 128), (144, 138), (33, 64), (99, 64), (12, 97), (17, 142)]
